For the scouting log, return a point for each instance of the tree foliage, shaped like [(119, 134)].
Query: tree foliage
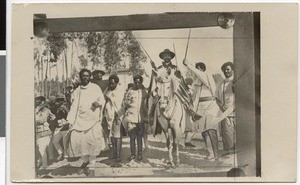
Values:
[(56, 43), (136, 55), (110, 50)]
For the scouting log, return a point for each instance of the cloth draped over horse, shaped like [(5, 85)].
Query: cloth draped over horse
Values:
[(160, 76), (170, 114)]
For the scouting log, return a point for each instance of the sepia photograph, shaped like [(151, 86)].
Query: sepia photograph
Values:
[(147, 96), (156, 93)]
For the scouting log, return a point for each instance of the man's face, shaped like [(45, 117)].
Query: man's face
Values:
[(167, 57), (85, 78), (112, 84), (98, 76), (228, 72), (199, 68), (137, 83), (59, 102), (38, 102)]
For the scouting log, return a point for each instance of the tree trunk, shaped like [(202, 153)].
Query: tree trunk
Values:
[(57, 79), (39, 75), (63, 69), (86, 64), (66, 64), (42, 84), (45, 80), (72, 54), (50, 80)]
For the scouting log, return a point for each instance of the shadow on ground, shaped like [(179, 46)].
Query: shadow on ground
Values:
[(155, 157)]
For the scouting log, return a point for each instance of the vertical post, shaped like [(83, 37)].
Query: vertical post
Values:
[(244, 62)]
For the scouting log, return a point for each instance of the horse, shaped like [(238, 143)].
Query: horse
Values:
[(170, 114)]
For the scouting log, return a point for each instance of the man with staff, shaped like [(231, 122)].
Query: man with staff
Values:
[(205, 104)]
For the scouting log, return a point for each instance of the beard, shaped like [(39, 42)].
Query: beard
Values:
[(84, 82)]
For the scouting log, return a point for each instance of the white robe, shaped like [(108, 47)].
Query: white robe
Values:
[(204, 86), (113, 106), (86, 137), (81, 116), (226, 96)]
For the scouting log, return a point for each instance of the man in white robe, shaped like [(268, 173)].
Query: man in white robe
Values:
[(205, 105), (114, 96), (226, 102), (86, 137)]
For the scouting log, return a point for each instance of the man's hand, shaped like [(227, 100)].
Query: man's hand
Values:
[(60, 124), (118, 121), (51, 117), (152, 65), (185, 62), (221, 105), (178, 74), (95, 105)]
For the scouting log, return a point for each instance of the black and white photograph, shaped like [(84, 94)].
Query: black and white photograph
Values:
[(143, 95), (152, 93)]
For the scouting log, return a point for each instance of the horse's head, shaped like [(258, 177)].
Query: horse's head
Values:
[(165, 90)]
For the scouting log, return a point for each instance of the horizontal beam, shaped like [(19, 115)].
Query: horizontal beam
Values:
[(131, 22)]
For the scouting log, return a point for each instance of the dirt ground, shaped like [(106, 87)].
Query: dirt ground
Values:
[(153, 164)]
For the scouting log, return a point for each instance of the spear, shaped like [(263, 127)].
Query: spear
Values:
[(187, 45), (175, 54), (151, 61), (152, 75)]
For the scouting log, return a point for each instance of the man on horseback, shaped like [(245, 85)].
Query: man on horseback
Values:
[(166, 70)]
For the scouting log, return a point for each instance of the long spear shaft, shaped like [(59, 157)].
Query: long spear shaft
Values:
[(151, 61), (175, 54), (144, 50), (187, 45), (151, 78)]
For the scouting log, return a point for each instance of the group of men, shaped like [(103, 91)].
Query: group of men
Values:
[(100, 112), (211, 106), (51, 127)]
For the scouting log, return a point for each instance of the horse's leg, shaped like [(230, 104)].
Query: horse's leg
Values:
[(145, 136), (175, 146), (177, 152), (170, 146), (178, 129)]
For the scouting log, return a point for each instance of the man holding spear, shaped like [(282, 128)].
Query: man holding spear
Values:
[(165, 70)]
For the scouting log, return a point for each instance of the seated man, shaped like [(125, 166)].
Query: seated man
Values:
[(43, 133), (59, 125)]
